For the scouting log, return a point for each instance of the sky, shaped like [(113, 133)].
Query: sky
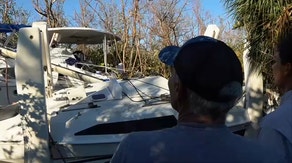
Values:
[(215, 7)]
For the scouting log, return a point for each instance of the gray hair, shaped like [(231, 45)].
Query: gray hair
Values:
[(216, 110)]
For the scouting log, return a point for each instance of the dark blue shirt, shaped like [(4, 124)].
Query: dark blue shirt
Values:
[(276, 128), (191, 143)]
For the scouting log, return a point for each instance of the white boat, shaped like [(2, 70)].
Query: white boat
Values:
[(62, 39), (85, 122)]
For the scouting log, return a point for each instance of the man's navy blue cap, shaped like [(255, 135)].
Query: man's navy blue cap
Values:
[(204, 65)]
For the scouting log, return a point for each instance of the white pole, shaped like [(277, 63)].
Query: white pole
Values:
[(254, 94), (212, 31), (46, 57), (105, 53), (31, 90)]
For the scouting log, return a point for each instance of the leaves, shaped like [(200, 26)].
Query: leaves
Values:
[(265, 22), (145, 27)]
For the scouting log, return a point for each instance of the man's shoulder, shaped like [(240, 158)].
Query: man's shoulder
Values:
[(253, 150), (246, 143), (150, 134), (274, 117), (280, 118)]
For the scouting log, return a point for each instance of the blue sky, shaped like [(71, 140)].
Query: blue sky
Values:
[(215, 7)]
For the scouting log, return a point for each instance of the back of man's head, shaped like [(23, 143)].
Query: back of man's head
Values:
[(208, 68)]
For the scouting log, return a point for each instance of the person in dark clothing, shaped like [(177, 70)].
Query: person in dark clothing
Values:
[(276, 128)]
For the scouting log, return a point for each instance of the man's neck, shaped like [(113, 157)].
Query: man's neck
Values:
[(190, 118)]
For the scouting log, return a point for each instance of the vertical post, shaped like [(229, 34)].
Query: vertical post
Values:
[(31, 89), (212, 31), (46, 56), (254, 95), (105, 53)]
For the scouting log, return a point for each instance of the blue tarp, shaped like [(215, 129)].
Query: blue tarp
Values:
[(6, 28)]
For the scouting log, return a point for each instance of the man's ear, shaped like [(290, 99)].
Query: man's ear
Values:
[(180, 95), (288, 69), (177, 84), (181, 91)]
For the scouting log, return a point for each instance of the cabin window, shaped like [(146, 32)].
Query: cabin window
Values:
[(130, 126)]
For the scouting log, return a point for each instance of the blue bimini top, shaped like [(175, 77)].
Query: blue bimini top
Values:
[(7, 28)]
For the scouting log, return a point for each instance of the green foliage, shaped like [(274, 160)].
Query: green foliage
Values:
[(154, 66), (144, 28), (265, 22), (96, 56)]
